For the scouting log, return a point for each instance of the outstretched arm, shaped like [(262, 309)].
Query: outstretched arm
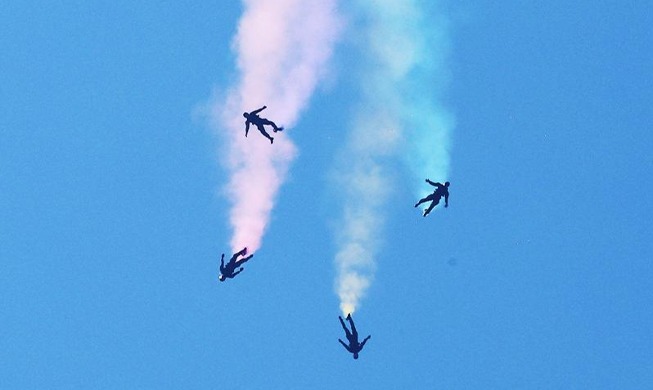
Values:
[(344, 345), (222, 261), (259, 110), (446, 199), (237, 272), (364, 341), (431, 183), (246, 127)]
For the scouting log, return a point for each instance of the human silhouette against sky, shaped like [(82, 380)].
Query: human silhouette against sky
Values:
[(354, 346), (229, 270), (259, 122), (441, 190)]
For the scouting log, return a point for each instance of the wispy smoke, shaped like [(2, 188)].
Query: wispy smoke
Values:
[(366, 189), (282, 48), (403, 44)]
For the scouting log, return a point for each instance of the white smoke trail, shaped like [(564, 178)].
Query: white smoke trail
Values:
[(282, 49), (398, 115)]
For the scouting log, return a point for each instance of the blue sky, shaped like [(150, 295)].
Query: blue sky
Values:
[(112, 218)]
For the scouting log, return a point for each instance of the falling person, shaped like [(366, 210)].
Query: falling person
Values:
[(253, 118), (229, 270), (354, 346), (441, 190)]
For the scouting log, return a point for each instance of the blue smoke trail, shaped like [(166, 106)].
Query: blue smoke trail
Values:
[(404, 46)]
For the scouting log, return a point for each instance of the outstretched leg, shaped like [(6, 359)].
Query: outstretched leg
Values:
[(275, 128), (431, 206), (265, 133), (234, 258), (244, 260), (424, 200), (353, 327)]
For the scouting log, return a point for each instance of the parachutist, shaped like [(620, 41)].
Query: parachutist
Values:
[(229, 270), (354, 346), (259, 122), (441, 190)]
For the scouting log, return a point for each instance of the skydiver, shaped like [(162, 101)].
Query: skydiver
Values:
[(354, 346), (259, 122), (439, 192), (229, 270)]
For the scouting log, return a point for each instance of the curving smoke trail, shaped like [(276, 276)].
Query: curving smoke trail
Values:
[(282, 49), (404, 44)]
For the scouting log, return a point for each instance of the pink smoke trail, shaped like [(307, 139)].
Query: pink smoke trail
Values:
[(282, 49)]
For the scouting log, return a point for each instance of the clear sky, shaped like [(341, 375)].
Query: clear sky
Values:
[(113, 212)]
